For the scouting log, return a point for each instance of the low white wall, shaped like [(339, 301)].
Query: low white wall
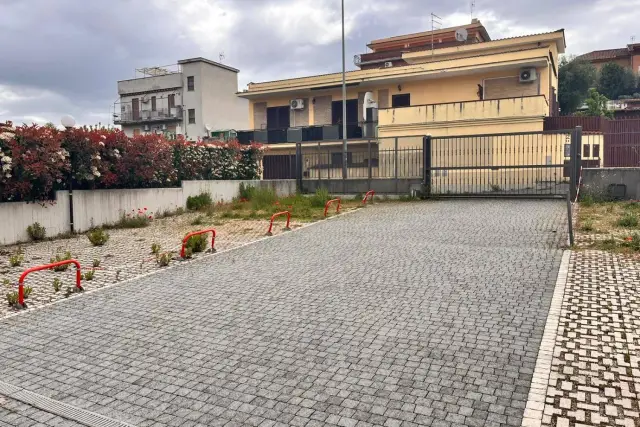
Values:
[(92, 208), (15, 217)]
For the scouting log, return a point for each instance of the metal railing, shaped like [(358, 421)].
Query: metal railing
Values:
[(158, 115), (314, 133)]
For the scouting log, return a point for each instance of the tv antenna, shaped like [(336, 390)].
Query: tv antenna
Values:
[(633, 39), (473, 6), (435, 25), (221, 56)]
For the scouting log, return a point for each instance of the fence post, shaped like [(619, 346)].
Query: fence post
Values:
[(426, 156), (369, 175), (299, 167), (578, 162), (573, 189), (318, 163), (395, 173)]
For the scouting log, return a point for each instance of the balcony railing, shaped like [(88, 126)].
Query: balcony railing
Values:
[(148, 116), (307, 133)]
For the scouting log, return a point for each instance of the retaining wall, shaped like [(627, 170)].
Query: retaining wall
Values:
[(92, 208)]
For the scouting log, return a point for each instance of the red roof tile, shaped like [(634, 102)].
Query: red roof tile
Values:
[(602, 55)]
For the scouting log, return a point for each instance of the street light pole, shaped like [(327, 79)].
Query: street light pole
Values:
[(344, 104)]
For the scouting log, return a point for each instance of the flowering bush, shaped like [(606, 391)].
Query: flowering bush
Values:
[(35, 161)]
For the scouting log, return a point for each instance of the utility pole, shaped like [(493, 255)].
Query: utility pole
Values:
[(344, 103)]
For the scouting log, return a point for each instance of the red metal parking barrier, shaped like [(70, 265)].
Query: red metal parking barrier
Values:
[(46, 267), (195, 233), (274, 216), (326, 206), (369, 195)]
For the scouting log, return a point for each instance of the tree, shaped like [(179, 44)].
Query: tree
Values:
[(616, 80), (597, 105), (574, 80)]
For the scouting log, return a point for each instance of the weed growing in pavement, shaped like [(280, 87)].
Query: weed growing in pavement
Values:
[(202, 200), (57, 285), (197, 243), (321, 197), (61, 257), (16, 258), (98, 237), (12, 298), (140, 219), (96, 263), (28, 290), (188, 253), (587, 225), (36, 232), (199, 220), (88, 275), (164, 259), (155, 248)]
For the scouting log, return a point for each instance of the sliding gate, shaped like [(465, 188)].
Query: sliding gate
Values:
[(534, 164)]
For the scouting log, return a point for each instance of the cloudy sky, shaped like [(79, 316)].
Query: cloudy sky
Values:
[(64, 56)]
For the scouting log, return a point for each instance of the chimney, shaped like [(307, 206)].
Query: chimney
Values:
[(475, 21)]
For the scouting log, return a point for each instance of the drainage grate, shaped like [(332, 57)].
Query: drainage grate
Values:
[(90, 419)]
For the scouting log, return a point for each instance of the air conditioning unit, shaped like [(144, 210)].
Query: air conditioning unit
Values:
[(146, 128), (297, 104), (388, 64), (528, 75), (164, 127), (144, 99)]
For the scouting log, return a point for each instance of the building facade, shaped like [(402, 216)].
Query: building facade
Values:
[(627, 57), (463, 84), (195, 98)]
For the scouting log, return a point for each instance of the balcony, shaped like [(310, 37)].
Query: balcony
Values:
[(316, 133), (147, 116), (490, 109)]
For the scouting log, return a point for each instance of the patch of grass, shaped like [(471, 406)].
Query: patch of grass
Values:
[(36, 232), (96, 263), (587, 200), (495, 188), (587, 226), (321, 197), (632, 242), (140, 219), (98, 237), (88, 275), (199, 220), (628, 220), (12, 298), (199, 202)]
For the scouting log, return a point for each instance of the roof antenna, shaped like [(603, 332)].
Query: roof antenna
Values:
[(435, 22), (633, 39), (473, 6), (221, 56)]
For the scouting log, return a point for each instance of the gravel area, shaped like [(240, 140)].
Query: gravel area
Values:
[(126, 255)]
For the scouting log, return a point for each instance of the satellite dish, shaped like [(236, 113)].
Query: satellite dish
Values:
[(461, 34), (207, 128)]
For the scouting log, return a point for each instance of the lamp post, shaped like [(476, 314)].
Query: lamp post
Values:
[(344, 104), (69, 122)]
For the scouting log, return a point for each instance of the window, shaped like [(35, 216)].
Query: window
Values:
[(153, 103), (596, 151), (402, 100), (191, 83), (192, 116), (586, 150), (172, 101)]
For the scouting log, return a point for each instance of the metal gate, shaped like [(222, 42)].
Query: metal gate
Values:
[(528, 164)]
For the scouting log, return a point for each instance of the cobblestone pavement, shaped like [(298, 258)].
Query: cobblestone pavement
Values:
[(595, 370), (395, 315)]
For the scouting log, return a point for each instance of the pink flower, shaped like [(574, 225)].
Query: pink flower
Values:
[(628, 239), (150, 217)]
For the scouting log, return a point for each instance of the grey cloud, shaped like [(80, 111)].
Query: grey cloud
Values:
[(78, 49)]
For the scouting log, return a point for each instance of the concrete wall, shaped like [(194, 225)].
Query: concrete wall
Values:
[(221, 108), (93, 208), (193, 99), (145, 84), (15, 217), (597, 181)]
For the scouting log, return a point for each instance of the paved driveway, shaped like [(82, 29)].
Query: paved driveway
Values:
[(396, 315)]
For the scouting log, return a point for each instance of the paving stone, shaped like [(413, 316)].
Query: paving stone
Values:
[(431, 313)]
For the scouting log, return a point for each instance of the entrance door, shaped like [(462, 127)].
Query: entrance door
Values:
[(135, 108)]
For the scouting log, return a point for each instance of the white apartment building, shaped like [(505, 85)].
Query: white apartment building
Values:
[(192, 98)]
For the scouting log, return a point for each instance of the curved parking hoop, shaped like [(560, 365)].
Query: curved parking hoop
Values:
[(369, 195), (326, 206), (46, 267), (274, 216), (195, 233)]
